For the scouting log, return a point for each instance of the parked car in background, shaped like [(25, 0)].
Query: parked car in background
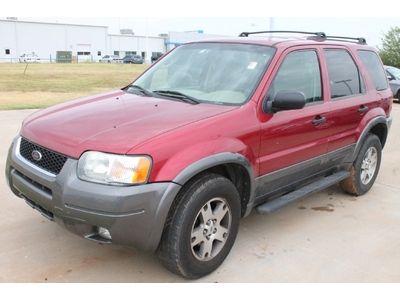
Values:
[(393, 74), (156, 56), (27, 58), (110, 59), (133, 59)]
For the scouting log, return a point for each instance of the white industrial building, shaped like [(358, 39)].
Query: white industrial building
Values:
[(120, 44), (176, 38), (84, 42)]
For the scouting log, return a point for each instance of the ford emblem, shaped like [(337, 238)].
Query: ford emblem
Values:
[(36, 155)]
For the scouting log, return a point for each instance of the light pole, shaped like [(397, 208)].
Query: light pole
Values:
[(271, 26), (146, 55)]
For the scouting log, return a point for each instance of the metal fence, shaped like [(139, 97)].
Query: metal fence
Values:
[(51, 59)]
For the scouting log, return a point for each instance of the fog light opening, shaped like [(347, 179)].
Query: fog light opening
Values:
[(104, 233)]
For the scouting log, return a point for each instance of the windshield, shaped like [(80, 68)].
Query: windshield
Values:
[(395, 72), (224, 73)]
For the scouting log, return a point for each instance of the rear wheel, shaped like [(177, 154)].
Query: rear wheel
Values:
[(398, 96), (365, 168), (203, 227)]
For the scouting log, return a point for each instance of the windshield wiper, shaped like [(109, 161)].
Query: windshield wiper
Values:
[(177, 95), (140, 89)]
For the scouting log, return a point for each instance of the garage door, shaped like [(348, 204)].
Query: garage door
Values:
[(84, 53)]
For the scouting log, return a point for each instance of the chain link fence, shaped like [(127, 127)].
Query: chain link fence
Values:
[(52, 59)]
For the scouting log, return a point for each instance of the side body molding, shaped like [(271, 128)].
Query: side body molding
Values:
[(236, 158)]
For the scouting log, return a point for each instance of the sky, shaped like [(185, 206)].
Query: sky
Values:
[(372, 28)]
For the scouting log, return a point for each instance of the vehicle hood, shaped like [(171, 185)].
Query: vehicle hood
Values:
[(113, 122)]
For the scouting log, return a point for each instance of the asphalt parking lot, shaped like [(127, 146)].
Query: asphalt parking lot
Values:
[(328, 237)]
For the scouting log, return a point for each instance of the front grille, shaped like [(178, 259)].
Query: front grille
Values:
[(50, 161)]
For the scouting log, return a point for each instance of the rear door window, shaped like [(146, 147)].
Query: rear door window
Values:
[(344, 77), (374, 68)]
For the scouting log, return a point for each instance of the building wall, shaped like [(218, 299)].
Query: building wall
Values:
[(90, 42), (45, 39), (138, 44), (7, 39)]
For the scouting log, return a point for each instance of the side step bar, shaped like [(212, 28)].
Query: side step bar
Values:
[(313, 187)]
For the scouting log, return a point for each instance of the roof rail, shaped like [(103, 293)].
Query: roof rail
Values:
[(358, 40), (318, 34)]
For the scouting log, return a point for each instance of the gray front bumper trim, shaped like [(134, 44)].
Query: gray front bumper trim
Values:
[(134, 215)]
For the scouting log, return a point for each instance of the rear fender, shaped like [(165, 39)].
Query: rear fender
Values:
[(371, 119)]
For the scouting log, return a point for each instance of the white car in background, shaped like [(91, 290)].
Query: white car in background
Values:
[(29, 58), (110, 59)]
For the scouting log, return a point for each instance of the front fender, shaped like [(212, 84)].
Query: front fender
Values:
[(211, 161), (191, 161), (186, 163)]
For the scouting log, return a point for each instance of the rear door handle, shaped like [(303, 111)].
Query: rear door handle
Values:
[(319, 120), (363, 108)]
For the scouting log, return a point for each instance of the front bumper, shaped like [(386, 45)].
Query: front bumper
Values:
[(133, 215)]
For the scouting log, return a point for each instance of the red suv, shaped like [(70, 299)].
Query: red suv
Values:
[(214, 129)]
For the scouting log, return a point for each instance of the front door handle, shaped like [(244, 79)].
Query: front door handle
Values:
[(363, 108), (319, 120)]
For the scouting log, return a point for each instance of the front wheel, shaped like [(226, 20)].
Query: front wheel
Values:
[(365, 168), (203, 227)]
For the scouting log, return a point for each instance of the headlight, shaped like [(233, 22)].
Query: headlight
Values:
[(113, 169)]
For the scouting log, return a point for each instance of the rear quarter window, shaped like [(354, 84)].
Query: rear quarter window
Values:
[(374, 68)]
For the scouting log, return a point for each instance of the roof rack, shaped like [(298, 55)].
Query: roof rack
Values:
[(359, 40), (318, 34), (321, 36)]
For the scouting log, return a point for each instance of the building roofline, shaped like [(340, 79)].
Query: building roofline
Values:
[(140, 36), (51, 23)]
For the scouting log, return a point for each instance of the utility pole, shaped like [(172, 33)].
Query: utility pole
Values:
[(271, 26), (147, 56)]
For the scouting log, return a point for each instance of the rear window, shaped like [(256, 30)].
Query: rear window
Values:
[(374, 68), (344, 77)]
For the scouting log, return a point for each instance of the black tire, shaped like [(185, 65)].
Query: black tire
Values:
[(398, 96), (176, 249), (354, 184)]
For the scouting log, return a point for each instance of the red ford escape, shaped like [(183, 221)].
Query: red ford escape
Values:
[(214, 129)]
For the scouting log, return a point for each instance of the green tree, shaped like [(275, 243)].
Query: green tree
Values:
[(390, 51)]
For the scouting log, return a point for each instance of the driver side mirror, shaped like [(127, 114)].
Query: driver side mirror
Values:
[(389, 77), (285, 100)]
